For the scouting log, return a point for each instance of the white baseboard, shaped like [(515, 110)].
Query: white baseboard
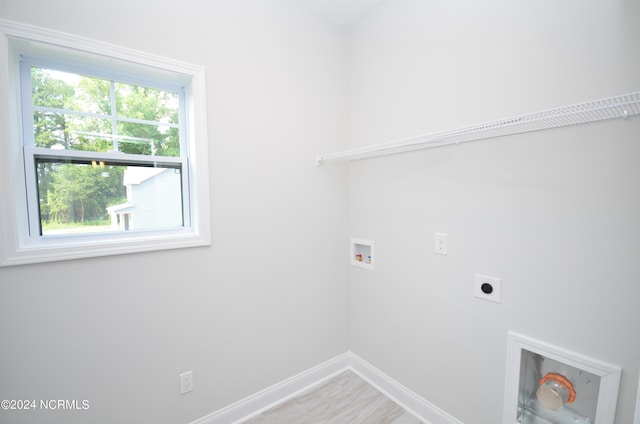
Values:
[(424, 410), (271, 396), (265, 399)]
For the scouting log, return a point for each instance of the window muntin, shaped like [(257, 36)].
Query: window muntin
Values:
[(93, 193)]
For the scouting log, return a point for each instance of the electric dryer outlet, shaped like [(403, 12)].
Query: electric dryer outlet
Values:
[(488, 288)]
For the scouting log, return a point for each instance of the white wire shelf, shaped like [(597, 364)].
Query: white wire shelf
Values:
[(622, 106)]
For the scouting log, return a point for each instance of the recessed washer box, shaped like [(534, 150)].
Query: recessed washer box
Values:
[(362, 253), (549, 384)]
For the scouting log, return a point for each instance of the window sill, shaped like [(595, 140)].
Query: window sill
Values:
[(63, 248)]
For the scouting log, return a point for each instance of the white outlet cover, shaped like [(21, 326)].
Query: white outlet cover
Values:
[(496, 293), (440, 243), (186, 382)]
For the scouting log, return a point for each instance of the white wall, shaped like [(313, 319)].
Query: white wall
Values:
[(554, 214), (269, 298)]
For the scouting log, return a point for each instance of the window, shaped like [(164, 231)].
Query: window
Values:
[(104, 149)]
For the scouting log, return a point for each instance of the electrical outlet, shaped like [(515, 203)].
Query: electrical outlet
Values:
[(487, 288), (186, 382), (440, 243)]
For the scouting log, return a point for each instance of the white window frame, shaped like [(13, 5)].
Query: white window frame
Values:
[(20, 246)]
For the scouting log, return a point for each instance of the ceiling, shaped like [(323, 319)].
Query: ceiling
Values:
[(342, 12)]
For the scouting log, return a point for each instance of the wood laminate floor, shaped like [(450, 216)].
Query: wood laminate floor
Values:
[(344, 399)]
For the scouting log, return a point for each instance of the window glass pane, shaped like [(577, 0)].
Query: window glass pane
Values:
[(63, 90), (144, 103), (50, 130), (101, 197), (144, 139), (72, 132)]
